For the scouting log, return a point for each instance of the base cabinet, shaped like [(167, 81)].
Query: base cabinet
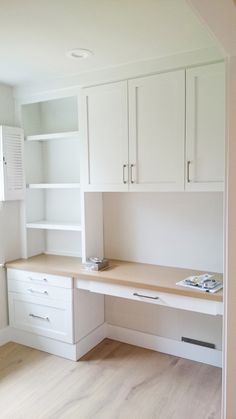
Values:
[(48, 313)]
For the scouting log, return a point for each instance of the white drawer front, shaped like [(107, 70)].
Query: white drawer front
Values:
[(153, 297), (53, 321), (43, 291), (40, 278)]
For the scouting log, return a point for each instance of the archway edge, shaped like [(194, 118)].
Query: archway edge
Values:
[(220, 18)]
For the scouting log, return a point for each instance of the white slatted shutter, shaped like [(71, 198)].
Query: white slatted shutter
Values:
[(12, 167)]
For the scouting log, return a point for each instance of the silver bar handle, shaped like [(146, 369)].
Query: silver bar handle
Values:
[(35, 316), (38, 279), (145, 296), (37, 292), (131, 173), (124, 179), (188, 171)]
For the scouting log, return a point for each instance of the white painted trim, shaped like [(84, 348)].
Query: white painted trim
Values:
[(69, 86), (121, 334), (52, 346), (165, 345), (55, 347), (90, 341), (5, 335)]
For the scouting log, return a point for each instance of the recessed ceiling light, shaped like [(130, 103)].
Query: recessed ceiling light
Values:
[(79, 53)]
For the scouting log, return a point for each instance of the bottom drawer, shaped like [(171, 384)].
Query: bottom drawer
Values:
[(53, 321)]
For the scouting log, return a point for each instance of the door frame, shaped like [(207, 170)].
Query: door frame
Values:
[(221, 21)]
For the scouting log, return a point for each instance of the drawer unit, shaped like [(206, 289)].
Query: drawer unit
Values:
[(36, 290), (40, 278), (154, 297), (42, 304), (52, 319)]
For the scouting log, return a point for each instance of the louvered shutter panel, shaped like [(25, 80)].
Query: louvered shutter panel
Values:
[(12, 171)]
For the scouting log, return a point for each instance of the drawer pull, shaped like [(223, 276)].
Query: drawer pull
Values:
[(37, 292), (35, 316), (145, 296), (124, 178), (131, 173), (188, 171), (37, 279)]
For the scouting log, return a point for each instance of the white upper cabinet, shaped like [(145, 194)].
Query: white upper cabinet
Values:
[(157, 129), (105, 135), (163, 132), (205, 127), (12, 184)]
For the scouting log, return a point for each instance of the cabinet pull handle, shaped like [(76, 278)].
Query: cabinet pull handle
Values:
[(145, 296), (37, 292), (124, 167), (35, 316), (188, 171), (131, 173), (38, 279)]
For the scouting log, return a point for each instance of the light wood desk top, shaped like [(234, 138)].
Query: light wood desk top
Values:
[(140, 275)]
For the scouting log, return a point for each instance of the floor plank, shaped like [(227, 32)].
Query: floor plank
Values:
[(113, 381)]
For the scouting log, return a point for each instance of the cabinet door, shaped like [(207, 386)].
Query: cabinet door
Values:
[(156, 121), (106, 137), (12, 167), (205, 131)]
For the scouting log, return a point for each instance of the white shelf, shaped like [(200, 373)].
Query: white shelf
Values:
[(53, 225), (53, 186), (53, 136)]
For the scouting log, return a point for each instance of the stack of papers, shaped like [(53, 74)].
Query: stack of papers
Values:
[(205, 282)]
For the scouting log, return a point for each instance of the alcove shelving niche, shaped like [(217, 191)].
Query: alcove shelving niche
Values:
[(52, 166)]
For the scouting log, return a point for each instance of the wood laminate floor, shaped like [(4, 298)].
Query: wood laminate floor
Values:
[(113, 381)]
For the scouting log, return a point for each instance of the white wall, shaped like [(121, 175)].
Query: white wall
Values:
[(175, 229), (172, 229), (9, 211)]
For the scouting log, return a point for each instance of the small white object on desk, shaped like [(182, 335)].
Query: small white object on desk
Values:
[(96, 264)]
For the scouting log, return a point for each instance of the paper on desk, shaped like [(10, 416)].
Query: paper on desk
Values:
[(197, 283)]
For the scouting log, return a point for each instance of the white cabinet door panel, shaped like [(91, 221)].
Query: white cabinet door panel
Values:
[(205, 127), (12, 180), (106, 137), (156, 121)]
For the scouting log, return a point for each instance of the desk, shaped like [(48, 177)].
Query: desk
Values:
[(130, 274), (54, 297)]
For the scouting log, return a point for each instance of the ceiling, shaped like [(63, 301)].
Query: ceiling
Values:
[(35, 35)]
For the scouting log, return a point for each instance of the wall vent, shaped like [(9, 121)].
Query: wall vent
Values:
[(198, 342)]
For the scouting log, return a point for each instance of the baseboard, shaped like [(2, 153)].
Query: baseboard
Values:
[(132, 337), (5, 335), (55, 347), (52, 346), (91, 340), (165, 345)]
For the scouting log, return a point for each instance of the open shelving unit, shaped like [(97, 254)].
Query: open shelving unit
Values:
[(52, 157)]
